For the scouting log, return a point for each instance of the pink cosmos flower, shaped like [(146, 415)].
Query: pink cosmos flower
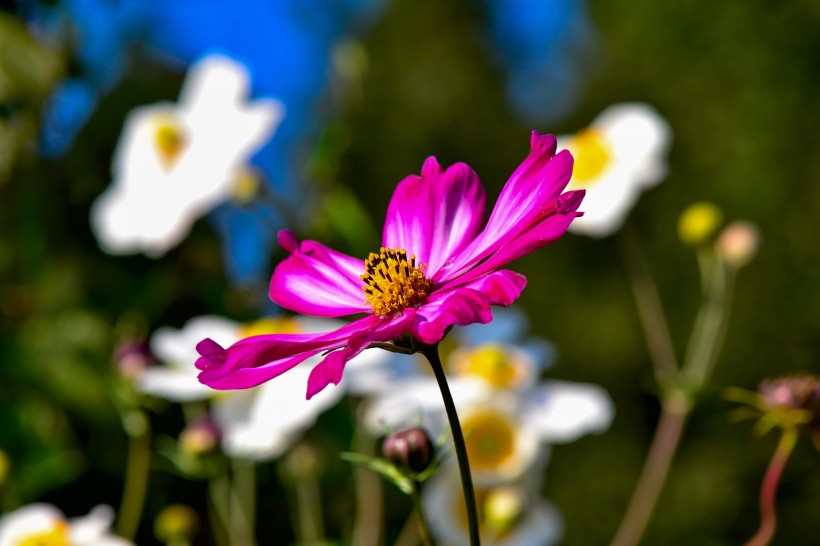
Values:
[(437, 268)]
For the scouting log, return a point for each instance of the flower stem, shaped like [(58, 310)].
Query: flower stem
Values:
[(242, 502), (768, 490), (137, 468), (367, 530), (423, 529), (431, 352), (654, 472)]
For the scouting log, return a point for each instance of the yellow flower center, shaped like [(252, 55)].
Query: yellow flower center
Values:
[(244, 186), (169, 140), (592, 154), (490, 439), (57, 535), (269, 325), (493, 364), (393, 281)]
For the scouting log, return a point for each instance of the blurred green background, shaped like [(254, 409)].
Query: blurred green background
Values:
[(739, 83)]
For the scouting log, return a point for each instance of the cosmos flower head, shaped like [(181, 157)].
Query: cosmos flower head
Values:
[(43, 524), (620, 154), (439, 265), (176, 162)]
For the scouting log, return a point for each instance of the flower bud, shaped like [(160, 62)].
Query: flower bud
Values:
[(798, 391), (738, 243), (409, 448), (176, 524), (200, 437), (698, 222), (132, 357)]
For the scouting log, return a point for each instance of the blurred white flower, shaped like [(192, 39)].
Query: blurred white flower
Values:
[(43, 524), (509, 514), (506, 431), (621, 153), (258, 423), (492, 352), (176, 162)]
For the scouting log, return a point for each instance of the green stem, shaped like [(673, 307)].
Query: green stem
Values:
[(650, 310), (137, 468), (675, 410), (423, 528), (710, 324), (431, 352), (242, 503), (309, 511), (768, 490), (367, 530), (219, 488)]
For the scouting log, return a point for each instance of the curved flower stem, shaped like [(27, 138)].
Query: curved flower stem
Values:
[(137, 468), (650, 310), (423, 529), (768, 490), (367, 528), (653, 475), (431, 352), (242, 502)]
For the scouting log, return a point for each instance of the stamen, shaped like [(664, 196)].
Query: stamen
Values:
[(394, 282)]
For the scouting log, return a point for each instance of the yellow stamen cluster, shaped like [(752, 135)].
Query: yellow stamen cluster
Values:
[(494, 364), (592, 153), (55, 536), (169, 140), (393, 281), (490, 439), (270, 325)]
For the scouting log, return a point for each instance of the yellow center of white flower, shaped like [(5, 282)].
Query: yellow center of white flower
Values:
[(592, 153), (244, 186), (169, 140), (493, 364), (270, 325), (394, 282), (490, 439), (57, 535)]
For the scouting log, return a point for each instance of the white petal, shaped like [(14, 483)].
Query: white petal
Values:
[(263, 422), (562, 411), (26, 521)]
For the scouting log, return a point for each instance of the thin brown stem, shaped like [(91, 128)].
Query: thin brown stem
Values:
[(674, 412)]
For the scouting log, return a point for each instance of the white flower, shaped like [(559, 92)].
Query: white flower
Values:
[(506, 431), (176, 162), (621, 153), (509, 514), (258, 423), (44, 525)]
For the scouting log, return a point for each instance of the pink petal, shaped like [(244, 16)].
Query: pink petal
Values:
[(466, 304), (330, 369), (529, 194), (256, 359), (435, 214), (548, 229), (317, 280)]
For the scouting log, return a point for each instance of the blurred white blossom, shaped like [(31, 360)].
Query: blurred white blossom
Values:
[(176, 162), (258, 423), (44, 524), (620, 154)]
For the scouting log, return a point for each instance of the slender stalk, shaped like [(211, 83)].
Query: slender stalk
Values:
[(219, 513), (653, 475), (650, 310), (431, 352), (137, 468), (768, 490), (367, 530), (309, 511), (409, 534), (424, 531), (242, 503)]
